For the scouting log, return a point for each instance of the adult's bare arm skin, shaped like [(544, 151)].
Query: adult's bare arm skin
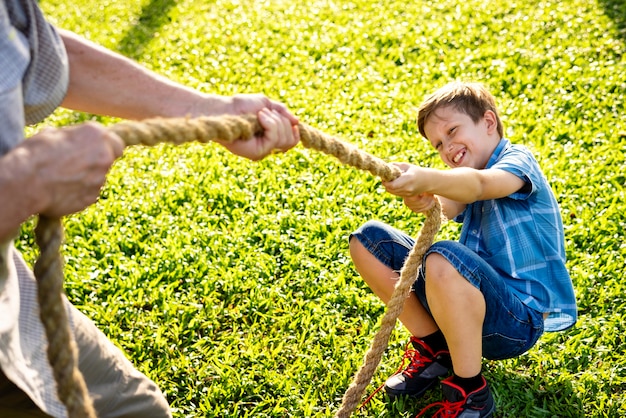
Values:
[(106, 83)]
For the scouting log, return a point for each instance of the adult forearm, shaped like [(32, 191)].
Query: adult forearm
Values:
[(106, 83)]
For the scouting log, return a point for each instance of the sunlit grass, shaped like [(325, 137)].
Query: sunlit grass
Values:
[(229, 282)]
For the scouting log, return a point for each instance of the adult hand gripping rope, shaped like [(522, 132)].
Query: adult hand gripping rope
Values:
[(48, 269)]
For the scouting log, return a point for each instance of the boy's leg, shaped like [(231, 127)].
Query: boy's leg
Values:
[(509, 327), (459, 309), (117, 388), (378, 252), (382, 279), (480, 316)]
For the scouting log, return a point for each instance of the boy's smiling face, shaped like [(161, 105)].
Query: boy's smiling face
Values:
[(459, 141)]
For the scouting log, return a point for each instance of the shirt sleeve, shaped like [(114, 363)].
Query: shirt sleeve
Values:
[(14, 50), (519, 161), (15, 58)]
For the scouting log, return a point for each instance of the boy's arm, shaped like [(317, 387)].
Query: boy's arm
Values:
[(422, 203), (451, 208), (463, 185)]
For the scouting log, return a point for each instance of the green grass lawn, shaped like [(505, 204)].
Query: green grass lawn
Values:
[(229, 282)]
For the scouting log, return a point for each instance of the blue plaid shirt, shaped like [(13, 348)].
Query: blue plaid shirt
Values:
[(521, 236)]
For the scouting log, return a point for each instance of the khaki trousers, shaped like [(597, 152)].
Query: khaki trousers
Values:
[(116, 387)]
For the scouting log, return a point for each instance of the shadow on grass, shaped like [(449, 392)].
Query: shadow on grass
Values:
[(154, 15), (521, 396), (616, 10)]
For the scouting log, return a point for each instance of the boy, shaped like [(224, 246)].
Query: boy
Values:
[(494, 292)]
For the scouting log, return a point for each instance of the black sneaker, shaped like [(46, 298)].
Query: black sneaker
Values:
[(423, 371), (458, 404)]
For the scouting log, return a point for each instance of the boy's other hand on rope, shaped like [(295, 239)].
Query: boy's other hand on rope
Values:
[(69, 166), (420, 203), (409, 188), (280, 127), (416, 186)]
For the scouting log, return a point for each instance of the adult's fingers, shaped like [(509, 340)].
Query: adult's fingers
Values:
[(279, 134), (282, 109), (115, 143)]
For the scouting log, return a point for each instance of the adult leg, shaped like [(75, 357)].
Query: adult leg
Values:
[(117, 388), (15, 403)]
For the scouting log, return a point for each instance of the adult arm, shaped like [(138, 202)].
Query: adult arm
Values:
[(60, 171), (106, 83)]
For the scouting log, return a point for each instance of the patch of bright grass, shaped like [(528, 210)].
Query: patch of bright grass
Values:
[(229, 282)]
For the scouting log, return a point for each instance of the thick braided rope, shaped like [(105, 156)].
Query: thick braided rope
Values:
[(62, 350), (394, 308), (231, 128), (48, 269)]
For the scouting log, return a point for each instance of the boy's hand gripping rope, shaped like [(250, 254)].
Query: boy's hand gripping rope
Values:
[(48, 269)]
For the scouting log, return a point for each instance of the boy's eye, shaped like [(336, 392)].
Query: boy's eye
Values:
[(438, 145), (452, 130)]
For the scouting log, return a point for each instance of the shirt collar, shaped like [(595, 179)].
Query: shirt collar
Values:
[(502, 146)]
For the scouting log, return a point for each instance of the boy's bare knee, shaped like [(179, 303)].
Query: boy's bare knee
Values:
[(437, 266), (357, 250)]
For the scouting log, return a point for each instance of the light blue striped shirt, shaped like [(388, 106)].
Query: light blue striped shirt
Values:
[(34, 73), (521, 236), (33, 81)]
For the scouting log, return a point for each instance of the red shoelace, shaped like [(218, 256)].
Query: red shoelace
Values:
[(447, 409), (417, 361)]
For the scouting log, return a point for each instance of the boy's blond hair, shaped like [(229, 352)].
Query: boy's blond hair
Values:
[(473, 99)]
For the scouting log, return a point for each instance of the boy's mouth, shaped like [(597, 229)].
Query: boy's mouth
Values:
[(459, 155)]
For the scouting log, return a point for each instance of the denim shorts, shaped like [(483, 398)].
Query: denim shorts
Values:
[(510, 327)]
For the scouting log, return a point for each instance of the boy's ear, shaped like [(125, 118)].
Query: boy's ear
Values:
[(491, 120)]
